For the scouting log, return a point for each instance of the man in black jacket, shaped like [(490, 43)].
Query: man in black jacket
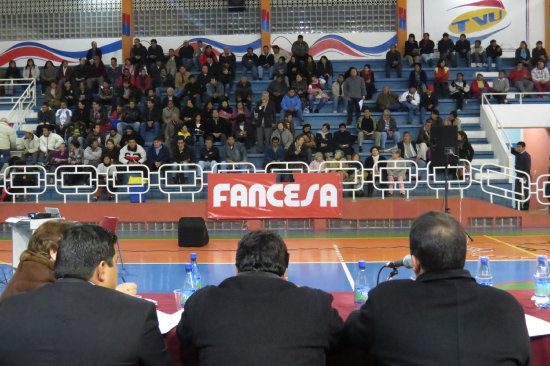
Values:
[(523, 165), (393, 61), (265, 115), (81, 319), (443, 317), (257, 317)]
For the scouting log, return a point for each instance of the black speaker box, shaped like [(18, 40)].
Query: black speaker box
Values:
[(236, 5), (443, 141), (192, 232)]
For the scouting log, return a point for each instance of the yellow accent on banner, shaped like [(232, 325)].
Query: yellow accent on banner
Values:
[(401, 25), (127, 40)]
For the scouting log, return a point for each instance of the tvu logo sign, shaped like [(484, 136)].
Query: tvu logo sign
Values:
[(477, 20)]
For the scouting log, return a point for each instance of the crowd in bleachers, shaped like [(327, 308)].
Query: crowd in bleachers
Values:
[(190, 105)]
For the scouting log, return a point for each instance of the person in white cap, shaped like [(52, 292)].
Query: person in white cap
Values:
[(7, 141), (31, 144)]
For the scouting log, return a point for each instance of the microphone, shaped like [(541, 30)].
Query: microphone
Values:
[(405, 262)]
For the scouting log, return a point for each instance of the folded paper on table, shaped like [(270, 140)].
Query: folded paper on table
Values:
[(537, 327), (168, 321)]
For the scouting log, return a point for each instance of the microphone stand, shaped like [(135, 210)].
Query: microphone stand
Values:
[(393, 273)]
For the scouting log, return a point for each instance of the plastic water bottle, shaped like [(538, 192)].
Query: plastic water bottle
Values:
[(362, 288), (189, 287), (195, 271), (484, 276), (542, 283)]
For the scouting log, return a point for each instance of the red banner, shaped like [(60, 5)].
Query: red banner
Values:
[(260, 196)]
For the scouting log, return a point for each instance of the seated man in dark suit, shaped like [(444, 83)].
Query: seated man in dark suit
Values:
[(80, 319), (257, 317), (443, 317)]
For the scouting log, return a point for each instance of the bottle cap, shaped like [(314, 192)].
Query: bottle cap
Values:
[(188, 266), (484, 260), (542, 258), (193, 256), (362, 264)]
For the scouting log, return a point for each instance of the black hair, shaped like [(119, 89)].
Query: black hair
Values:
[(342, 124), (435, 111), (82, 248), (522, 144), (327, 125), (438, 241), (263, 251)]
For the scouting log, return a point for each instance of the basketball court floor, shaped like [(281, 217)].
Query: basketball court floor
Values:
[(322, 260)]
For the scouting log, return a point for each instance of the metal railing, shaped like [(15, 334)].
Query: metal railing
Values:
[(189, 180), (23, 104)]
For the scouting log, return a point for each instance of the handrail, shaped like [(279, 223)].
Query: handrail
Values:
[(24, 104), (485, 100), (189, 180)]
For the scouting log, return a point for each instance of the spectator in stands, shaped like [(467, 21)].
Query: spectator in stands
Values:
[(64, 73), (126, 93), (131, 116), (12, 72), (397, 170), (209, 155), (374, 163), (274, 152), (228, 60), (155, 52), (68, 94), (239, 110), (418, 77), (297, 152), (182, 154), (30, 144), (62, 117), (538, 54), (83, 93), (393, 61), (76, 154), (323, 139), (157, 154), (465, 149), (171, 96), (265, 63), (192, 91), (93, 52), (280, 68), (49, 74), (494, 55), (523, 166), (243, 92), (265, 115), (214, 92), (300, 49), (292, 103), (501, 85), (523, 55), (189, 112), (94, 133), (96, 74), (309, 68), (217, 128), (277, 90), (31, 71), (427, 49), (103, 172), (428, 102), (164, 81), (479, 87), (284, 135), (197, 53), (244, 132), (412, 50), (114, 71), (435, 119), (441, 79), (186, 55), (54, 93), (92, 154), (80, 72), (36, 263), (46, 118), (453, 120), (111, 148), (293, 68), (76, 131), (144, 82), (325, 71), (234, 153), (180, 80), (300, 87), (316, 94), (411, 151), (138, 55), (132, 152), (116, 116), (386, 127), (57, 158), (208, 52), (316, 164), (310, 144), (463, 50), (479, 55), (460, 90), (183, 132), (170, 112), (423, 139), (368, 76), (198, 131), (338, 97), (7, 141), (446, 48), (410, 101), (448, 296), (541, 78), (249, 62), (521, 78), (278, 52), (106, 94), (366, 125), (343, 140), (226, 80), (98, 114), (387, 100), (354, 91)]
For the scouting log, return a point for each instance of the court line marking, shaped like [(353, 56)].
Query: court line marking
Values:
[(344, 266), (510, 245)]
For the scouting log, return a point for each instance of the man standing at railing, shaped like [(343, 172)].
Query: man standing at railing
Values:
[(7, 141), (523, 167)]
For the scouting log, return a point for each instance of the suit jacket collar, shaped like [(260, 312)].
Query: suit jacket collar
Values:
[(259, 273), (457, 274)]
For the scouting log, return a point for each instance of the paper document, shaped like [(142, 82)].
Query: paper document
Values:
[(361, 104), (537, 327), (168, 321)]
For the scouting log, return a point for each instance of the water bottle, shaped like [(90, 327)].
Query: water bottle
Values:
[(195, 271), (361, 290), (542, 282), (484, 276), (189, 287)]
